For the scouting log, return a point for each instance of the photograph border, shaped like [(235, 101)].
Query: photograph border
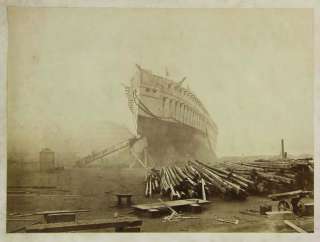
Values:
[(313, 4)]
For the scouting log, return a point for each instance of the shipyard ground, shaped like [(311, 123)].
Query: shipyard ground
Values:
[(94, 189)]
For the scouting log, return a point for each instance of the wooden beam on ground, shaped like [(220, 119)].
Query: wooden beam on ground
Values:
[(121, 222), (61, 211), (295, 227)]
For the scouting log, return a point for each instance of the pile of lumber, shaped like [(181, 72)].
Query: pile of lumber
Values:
[(152, 182), (196, 180), (276, 175)]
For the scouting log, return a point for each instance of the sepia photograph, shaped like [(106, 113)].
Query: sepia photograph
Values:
[(160, 120)]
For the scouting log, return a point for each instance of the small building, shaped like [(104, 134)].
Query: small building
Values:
[(47, 160)]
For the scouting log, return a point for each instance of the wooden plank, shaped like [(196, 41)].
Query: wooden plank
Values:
[(22, 219), (285, 195), (295, 227), (120, 222), (61, 211), (174, 203)]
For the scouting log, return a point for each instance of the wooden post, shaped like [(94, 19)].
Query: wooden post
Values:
[(204, 197)]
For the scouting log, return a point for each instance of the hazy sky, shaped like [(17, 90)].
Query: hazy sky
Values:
[(252, 69)]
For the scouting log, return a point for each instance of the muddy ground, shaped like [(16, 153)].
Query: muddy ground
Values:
[(94, 189)]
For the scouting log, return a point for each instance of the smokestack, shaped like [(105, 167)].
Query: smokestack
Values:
[(282, 149)]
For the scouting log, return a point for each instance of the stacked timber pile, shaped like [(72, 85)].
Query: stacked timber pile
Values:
[(196, 180), (277, 175), (152, 182)]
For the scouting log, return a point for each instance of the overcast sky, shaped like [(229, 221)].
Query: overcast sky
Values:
[(252, 69)]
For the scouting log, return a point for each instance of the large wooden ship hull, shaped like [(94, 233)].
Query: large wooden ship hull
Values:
[(174, 122)]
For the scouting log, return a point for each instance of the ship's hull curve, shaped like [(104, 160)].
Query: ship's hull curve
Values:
[(173, 142)]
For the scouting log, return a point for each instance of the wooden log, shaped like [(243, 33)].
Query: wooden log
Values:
[(168, 177), (285, 195), (295, 227), (180, 173), (174, 176)]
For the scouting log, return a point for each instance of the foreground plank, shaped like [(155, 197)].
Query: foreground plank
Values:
[(295, 227), (121, 222)]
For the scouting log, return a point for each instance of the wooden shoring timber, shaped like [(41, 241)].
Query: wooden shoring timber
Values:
[(137, 158)]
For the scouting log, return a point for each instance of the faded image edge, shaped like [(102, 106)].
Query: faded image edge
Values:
[(160, 120)]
